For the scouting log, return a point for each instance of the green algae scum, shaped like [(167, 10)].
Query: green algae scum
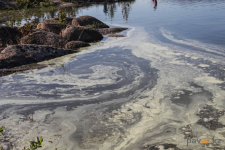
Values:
[(112, 75)]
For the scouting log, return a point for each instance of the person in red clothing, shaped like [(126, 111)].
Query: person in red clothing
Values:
[(155, 4)]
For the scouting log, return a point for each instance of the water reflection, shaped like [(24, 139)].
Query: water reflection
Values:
[(105, 10), (126, 7), (112, 10), (20, 17), (155, 4)]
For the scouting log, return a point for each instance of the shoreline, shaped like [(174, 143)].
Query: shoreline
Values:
[(42, 27)]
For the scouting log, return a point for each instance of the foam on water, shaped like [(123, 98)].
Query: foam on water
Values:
[(162, 121)]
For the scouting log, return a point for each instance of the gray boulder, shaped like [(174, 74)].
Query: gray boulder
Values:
[(88, 20), (76, 44), (73, 33), (51, 27), (44, 38), (17, 55)]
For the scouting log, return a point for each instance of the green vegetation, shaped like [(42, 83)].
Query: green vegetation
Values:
[(35, 144), (62, 17), (46, 4), (25, 3), (94, 25), (7, 7), (28, 28), (2, 128), (35, 3)]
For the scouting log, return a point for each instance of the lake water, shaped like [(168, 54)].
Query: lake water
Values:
[(197, 20), (160, 87)]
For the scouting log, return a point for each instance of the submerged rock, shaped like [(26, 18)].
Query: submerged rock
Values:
[(76, 44), (9, 35), (88, 20), (44, 38), (73, 33), (17, 55), (110, 30), (115, 35)]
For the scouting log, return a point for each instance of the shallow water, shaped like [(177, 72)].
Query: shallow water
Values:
[(157, 88)]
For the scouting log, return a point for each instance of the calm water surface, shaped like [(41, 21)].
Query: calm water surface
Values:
[(201, 20)]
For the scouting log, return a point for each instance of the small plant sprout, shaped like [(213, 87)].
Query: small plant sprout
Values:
[(34, 145), (2, 128)]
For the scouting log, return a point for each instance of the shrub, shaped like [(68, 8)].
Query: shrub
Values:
[(62, 17), (28, 28)]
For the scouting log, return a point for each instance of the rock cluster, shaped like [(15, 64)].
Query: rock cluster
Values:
[(50, 39)]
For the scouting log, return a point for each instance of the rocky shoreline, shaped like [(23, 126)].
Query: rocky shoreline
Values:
[(50, 39)]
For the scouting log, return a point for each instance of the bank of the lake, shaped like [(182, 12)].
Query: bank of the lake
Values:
[(51, 38)]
